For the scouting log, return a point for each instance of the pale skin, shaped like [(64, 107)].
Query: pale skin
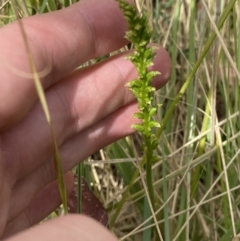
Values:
[(90, 109)]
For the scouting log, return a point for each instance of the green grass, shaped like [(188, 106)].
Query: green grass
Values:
[(196, 178)]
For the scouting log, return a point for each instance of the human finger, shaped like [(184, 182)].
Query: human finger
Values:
[(62, 40), (69, 227)]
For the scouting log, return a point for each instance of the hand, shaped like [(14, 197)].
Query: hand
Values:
[(90, 108)]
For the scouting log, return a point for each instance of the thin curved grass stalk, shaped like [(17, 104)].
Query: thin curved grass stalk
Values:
[(140, 34), (43, 102)]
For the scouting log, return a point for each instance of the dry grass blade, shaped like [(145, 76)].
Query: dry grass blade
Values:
[(42, 99)]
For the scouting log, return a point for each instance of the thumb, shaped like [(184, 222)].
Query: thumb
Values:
[(70, 227)]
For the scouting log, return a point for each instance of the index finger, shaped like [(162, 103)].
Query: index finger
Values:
[(63, 40)]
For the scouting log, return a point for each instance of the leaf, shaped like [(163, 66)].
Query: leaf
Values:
[(91, 206)]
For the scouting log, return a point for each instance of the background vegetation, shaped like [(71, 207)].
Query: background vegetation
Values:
[(196, 177)]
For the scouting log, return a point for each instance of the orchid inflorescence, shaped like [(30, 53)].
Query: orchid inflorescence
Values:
[(139, 34)]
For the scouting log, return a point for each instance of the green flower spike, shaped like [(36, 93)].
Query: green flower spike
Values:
[(139, 34)]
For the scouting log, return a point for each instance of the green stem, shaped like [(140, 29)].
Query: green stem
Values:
[(149, 155)]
